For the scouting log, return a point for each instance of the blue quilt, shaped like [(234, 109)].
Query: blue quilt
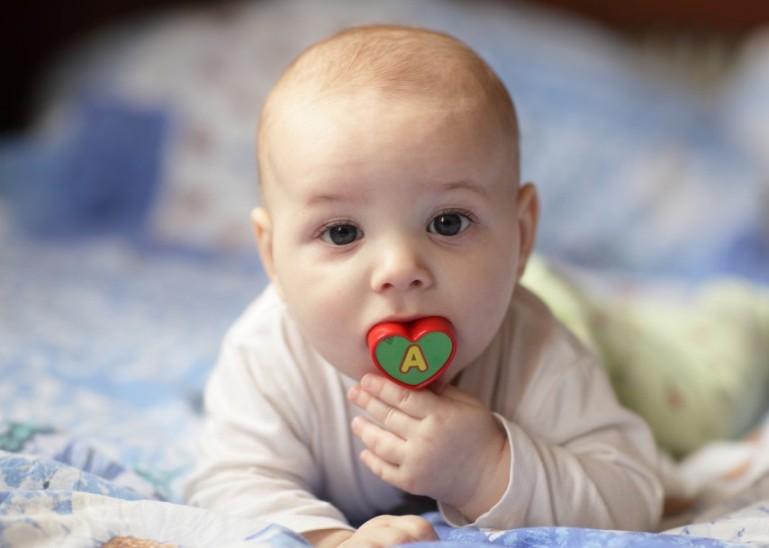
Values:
[(78, 496)]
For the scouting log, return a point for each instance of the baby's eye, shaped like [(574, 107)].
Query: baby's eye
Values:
[(341, 234), (449, 224)]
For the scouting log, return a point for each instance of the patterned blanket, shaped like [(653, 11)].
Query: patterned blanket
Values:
[(78, 497)]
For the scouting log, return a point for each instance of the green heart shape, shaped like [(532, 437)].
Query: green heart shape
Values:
[(435, 350)]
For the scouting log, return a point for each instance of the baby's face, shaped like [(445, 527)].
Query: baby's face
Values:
[(393, 210)]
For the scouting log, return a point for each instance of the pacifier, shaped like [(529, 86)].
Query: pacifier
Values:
[(413, 354)]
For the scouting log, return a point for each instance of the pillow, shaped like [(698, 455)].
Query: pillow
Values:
[(691, 360), (100, 176)]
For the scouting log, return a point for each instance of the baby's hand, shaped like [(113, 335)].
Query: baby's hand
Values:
[(447, 446), (383, 531)]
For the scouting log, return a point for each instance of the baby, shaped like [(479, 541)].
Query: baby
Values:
[(390, 174)]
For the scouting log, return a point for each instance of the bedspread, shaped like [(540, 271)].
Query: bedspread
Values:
[(52, 503)]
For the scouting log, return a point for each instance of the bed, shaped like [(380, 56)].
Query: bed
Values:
[(126, 251)]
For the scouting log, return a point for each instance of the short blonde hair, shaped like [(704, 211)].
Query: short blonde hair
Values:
[(396, 60)]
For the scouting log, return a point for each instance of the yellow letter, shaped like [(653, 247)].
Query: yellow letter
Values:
[(413, 358)]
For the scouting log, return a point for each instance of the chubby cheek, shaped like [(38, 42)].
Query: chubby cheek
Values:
[(479, 324), (482, 304), (330, 331), (324, 305)]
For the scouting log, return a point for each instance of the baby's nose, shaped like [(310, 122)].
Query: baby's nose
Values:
[(400, 268)]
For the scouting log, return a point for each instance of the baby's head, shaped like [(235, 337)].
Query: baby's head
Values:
[(389, 166)]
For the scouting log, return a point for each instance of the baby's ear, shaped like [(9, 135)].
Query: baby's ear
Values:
[(262, 223), (528, 218)]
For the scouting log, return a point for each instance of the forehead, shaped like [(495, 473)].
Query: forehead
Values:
[(349, 139)]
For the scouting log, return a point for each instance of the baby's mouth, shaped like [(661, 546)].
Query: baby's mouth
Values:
[(405, 320)]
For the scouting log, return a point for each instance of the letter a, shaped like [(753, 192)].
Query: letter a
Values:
[(413, 358)]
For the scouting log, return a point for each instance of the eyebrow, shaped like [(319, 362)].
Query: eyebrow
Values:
[(316, 199), (438, 186), (463, 185)]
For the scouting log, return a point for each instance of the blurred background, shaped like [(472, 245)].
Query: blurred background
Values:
[(127, 174), (35, 32)]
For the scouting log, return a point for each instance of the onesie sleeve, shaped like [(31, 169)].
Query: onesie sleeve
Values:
[(255, 461), (577, 459)]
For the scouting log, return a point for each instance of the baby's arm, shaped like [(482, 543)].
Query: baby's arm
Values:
[(571, 457), (578, 456), (255, 461)]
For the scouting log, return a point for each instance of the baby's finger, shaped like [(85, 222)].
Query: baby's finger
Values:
[(379, 536), (417, 527), (380, 467), (392, 419), (416, 403), (379, 441)]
